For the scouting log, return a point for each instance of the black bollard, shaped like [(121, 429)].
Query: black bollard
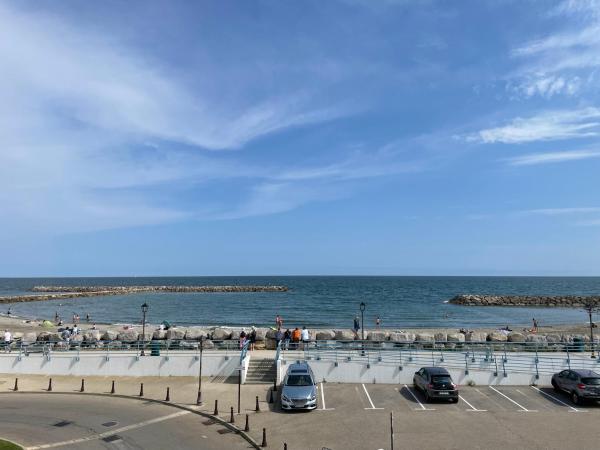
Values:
[(199, 398), (50, 385), (141, 389), (247, 427), (231, 419), (216, 412), (257, 409), (271, 396), (168, 397), (82, 389), (275, 384), (112, 388), (16, 385), (264, 442), (285, 446)]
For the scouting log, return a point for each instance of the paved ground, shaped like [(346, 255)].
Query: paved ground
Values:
[(350, 416), (38, 421)]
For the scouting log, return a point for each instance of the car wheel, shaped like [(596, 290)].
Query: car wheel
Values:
[(427, 397), (555, 386), (455, 400), (575, 398)]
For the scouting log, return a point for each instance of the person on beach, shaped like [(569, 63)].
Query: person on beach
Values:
[(287, 337), (356, 326), (296, 336), (252, 338), (56, 317), (75, 329), (278, 321), (7, 341), (278, 336), (305, 335), (87, 317), (8, 312), (377, 322), (93, 326), (535, 326)]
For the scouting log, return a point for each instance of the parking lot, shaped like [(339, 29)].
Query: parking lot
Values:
[(486, 417)]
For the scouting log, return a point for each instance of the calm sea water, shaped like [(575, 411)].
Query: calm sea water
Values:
[(312, 301)]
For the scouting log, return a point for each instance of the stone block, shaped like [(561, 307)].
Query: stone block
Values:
[(325, 335)]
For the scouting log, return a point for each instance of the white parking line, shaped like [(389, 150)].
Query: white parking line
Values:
[(111, 432), (472, 407), (323, 408), (511, 400), (417, 400), (556, 399), (369, 397)]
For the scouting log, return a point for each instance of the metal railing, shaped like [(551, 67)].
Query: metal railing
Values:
[(150, 347), (499, 358)]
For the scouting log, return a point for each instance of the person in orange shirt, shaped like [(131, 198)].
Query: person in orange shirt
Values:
[(296, 334)]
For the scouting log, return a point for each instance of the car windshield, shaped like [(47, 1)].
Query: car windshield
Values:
[(591, 381), (441, 379), (299, 380)]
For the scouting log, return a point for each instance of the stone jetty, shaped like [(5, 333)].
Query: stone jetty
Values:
[(552, 301), (65, 292)]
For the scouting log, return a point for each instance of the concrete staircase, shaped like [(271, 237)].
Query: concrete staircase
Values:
[(261, 370)]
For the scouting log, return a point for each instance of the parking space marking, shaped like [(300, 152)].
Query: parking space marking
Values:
[(323, 408), (556, 399), (417, 400), (369, 397), (471, 406), (511, 400)]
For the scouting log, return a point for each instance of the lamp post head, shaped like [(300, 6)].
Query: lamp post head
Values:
[(362, 306), (145, 308)]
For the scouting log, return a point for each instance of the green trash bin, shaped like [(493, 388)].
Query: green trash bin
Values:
[(154, 348), (578, 344)]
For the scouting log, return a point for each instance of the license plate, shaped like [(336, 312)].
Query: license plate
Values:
[(444, 393)]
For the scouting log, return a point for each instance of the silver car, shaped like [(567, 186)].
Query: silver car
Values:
[(299, 390)]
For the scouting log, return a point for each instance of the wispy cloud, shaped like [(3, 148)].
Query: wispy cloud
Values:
[(545, 126), (551, 157), (563, 211), (90, 126)]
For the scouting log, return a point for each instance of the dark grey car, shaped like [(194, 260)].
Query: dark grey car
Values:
[(436, 383), (580, 384), (299, 390)]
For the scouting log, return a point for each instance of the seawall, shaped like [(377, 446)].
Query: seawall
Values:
[(554, 301)]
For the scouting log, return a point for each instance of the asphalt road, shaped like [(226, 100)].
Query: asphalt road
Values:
[(38, 421)]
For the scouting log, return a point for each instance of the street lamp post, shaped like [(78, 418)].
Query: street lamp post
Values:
[(362, 319), (589, 311), (199, 398), (144, 311)]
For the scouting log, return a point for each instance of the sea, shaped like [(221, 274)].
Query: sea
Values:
[(314, 301)]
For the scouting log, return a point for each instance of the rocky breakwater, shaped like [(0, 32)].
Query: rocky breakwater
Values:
[(551, 301), (63, 292), (133, 289)]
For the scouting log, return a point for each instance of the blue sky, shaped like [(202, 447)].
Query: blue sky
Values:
[(282, 137)]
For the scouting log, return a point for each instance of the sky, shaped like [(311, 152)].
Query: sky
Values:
[(339, 137)]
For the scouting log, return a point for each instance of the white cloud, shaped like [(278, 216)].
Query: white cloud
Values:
[(552, 157), (563, 211), (88, 124), (545, 126), (548, 86)]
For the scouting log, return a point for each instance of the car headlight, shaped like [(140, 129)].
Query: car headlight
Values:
[(284, 398), (313, 397)]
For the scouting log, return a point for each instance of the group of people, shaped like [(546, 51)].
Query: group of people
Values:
[(290, 339), (250, 338), (76, 319)]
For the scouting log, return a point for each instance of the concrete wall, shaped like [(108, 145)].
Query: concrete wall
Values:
[(120, 364), (480, 373)]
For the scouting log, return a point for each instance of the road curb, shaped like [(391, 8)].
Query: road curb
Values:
[(223, 422)]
